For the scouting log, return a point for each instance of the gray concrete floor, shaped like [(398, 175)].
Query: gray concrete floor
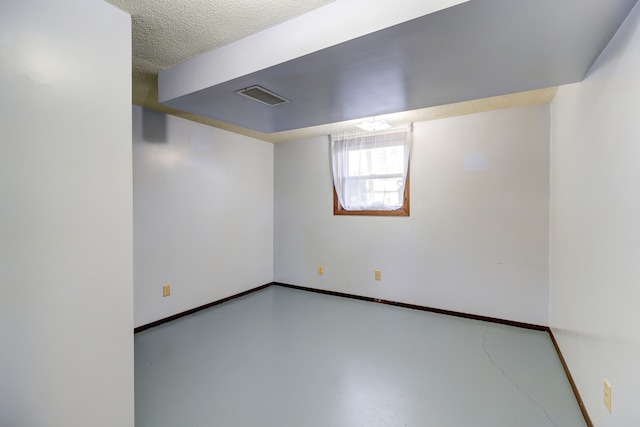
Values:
[(283, 357)]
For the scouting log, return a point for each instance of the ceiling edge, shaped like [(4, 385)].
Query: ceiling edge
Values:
[(145, 94)]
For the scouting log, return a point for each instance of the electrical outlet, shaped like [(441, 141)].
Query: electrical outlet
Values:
[(378, 275), (607, 395), (320, 270), (166, 290)]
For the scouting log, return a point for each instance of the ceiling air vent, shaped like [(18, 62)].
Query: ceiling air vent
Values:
[(263, 95)]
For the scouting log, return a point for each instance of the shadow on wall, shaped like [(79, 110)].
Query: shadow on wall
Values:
[(154, 126)]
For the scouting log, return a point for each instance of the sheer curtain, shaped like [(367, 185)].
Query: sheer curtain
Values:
[(370, 168)]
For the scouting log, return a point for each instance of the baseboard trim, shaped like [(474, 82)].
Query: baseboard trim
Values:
[(345, 295), (196, 309), (420, 307), (574, 387)]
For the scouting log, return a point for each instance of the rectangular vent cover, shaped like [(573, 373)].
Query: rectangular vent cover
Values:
[(263, 95)]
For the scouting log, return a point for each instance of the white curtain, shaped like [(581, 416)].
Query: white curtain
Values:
[(370, 168)]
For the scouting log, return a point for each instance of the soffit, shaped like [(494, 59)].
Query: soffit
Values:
[(166, 33)]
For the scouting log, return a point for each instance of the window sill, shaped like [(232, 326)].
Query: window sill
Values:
[(403, 211)]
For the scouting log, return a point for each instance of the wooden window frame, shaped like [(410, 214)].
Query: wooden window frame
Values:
[(404, 210)]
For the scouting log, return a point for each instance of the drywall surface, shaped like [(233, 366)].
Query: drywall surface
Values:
[(258, 51), (203, 214), (66, 239), (595, 228), (477, 237)]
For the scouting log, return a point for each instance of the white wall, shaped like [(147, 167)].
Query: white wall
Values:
[(595, 228), (66, 270), (477, 238), (203, 214)]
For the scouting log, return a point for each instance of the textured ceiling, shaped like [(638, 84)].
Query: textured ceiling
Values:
[(168, 32)]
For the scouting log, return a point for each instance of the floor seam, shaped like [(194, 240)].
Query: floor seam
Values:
[(504, 374)]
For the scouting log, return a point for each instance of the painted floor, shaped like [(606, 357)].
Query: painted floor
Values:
[(288, 358)]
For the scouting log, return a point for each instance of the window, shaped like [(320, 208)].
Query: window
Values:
[(371, 172)]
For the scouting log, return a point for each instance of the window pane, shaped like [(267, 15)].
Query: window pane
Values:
[(375, 193), (376, 161), (370, 172)]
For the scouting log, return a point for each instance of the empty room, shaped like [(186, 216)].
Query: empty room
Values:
[(320, 213)]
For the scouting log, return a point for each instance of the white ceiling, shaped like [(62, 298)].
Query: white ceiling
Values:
[(474, 56)]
